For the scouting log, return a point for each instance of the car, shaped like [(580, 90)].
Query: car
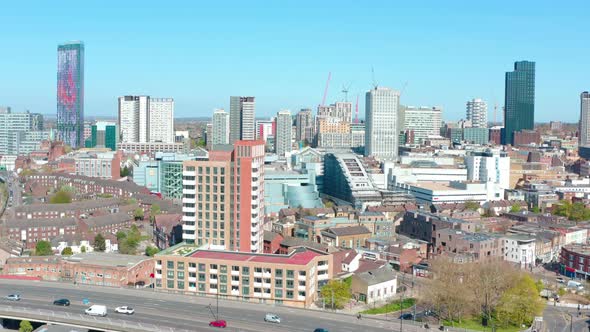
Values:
[(62, 302), (13, 297), (272, 318), (320, 330), (218, 323), (560, 280), (125, 310), (407, 316)]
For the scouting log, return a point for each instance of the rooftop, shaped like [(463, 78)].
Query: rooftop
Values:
[(377, 276), (301, 256), (107, 259)]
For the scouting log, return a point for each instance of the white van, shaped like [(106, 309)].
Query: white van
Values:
[(272, 318), (97, 310)]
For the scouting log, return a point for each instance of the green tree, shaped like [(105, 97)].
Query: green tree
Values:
[(329, 204), (579, 212), (124, 171), (43, 248), (99, 243), (539, 285), (336, 294), (121, 236), (151, 251), (25, 326), (472, 205), (520, 304), (83, 249), (67, 251), (61, 197), (515, 207), (154, 211), (536, 209), (138, 214)]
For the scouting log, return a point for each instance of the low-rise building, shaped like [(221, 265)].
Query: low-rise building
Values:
[(167, 230), (519, 249), (93, 268), (293, 279), (346, 237), (374, 285), (9, 248), (483, 247), (30, 231), (574, 261)]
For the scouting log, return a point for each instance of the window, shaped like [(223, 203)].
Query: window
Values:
[(170, 274), (202, 277), (278, 293), (180, 284), (245, 290), (170, 283), (201, 287), (290, 274), (223, 278), (180, 275), (289, 294), (213, 266), (235, 268), (223, 289), (302, 293), (245, 270), (279, 273), (223, 268), (245, 280), (279, 283), (289, 283), (180, 265), (170, 264)]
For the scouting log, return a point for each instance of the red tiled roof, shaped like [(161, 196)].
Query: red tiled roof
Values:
[(297, 258)]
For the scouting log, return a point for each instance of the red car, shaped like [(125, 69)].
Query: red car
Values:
[(218, 323)]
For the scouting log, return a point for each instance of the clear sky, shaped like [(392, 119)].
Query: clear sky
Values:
[(201, 52)]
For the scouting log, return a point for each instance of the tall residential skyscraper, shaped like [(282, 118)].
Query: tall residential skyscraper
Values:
[(519, 103), (143, 119), (477, 113), (220, 127), (284, 133), (223, 198), (241, 118), (70, 94), (304, 125), (584, 118), (381, 136)]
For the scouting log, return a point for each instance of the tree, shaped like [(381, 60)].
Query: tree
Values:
[(446, 292), (151, 251), (329, 204), (67, 251), (124, 171), (83, 249), (99, 243), (515, 207), (43, 248), (521, 303), (472, 205), (536, 209), (25, 326), (154, 211), (121, 236), (575, 212), (61, 197), (336, 294), (138, 214)]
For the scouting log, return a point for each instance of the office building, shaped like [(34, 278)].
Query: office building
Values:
[(104, 165), (421, 121), (584, 118), (284, 133), (150, 148), (241, 119), (477, 113), (519, 108), (293, 279), (220, 127), (476, 135), (18, 132), (143, 119), (290, 189), (339, 110), (104, 135), (490, 166), (223, 198), (70, 94), (304, 126), (381, 136)]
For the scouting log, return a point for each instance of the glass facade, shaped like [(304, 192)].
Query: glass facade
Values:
[(519, 110), (70, 94)]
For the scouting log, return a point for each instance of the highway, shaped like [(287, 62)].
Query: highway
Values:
[(185, 313)]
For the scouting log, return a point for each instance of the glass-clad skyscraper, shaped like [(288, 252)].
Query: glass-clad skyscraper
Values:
[(70, 93), (519, 110)]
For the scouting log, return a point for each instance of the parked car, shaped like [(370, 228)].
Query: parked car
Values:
[(125, 310), (13, 297), (218, 323), (272, 318), (62, 302), (96, 310), (407, 316), (560, 280)]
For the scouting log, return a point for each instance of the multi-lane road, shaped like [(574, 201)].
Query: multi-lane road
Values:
[(186, 313)]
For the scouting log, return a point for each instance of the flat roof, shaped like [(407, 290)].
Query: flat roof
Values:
[(298, 257), (107, 259)]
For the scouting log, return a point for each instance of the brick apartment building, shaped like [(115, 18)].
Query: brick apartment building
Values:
[(292, 279)]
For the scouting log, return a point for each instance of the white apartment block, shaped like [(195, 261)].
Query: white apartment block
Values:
[(477, 113), (381, 135), (422, 121), (519, 249), (220, 122), (283, 142), (241, 118), (584, 118), (146, 120), (490, 166)]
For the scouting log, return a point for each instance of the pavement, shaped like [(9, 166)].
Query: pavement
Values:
[(187, 313), (558, 319)]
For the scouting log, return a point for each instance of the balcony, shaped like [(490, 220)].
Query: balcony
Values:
[(158, 266), (266, 285), (301, 278), (192, 269), (301, 288), (258, 284), (213, 271), (266, 295), (189, 200), (213, 290), (158, 275), (213, 281), (192, 279), (189, 173), (300, 298), (323, 267), (258, 274), (235, 273), (187, 218), (235, 292), (257, 294), (189, 209), (189, 182), (266, 274), (323, 276), (235, 282), (189, 191)]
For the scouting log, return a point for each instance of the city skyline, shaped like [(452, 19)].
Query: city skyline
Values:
[(282, 76)]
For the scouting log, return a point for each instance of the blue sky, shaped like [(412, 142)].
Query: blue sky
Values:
[(201, 52)]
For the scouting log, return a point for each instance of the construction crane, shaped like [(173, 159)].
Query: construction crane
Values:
[(345, 89), (375, 84), (356, 110), (326, 89)]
